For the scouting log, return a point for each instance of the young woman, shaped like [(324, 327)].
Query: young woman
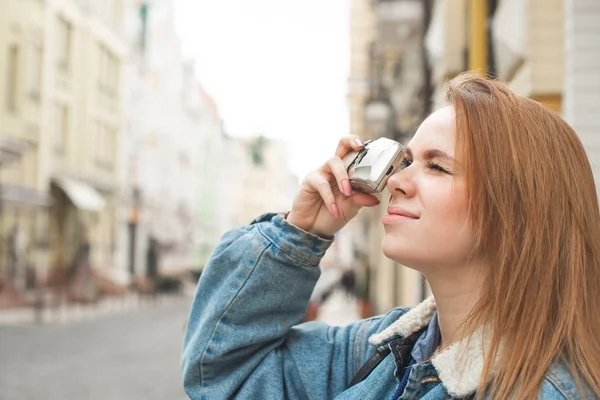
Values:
[(494, 203)]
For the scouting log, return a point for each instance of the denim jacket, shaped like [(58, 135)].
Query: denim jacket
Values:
[(244, 339)]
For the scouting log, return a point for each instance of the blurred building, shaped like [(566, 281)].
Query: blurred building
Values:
[(362, 35), (268, 184), (172, 125), (243, 178), (84, 120), (389, 95), (547, 50), (213, 181), (518, 41), (404, 51), (256, 179), (446, 43), (24, 195), (581, 92), (61, 117), (184, 182)]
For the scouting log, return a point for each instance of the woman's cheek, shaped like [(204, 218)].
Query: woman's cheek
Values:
[(450, 205)]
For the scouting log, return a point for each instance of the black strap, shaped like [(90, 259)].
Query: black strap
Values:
[(368, 367), (382, 352)]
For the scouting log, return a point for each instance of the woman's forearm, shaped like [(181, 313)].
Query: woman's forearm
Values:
[(254, 289)]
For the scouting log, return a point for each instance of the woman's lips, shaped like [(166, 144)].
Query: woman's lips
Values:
[(398, 214)]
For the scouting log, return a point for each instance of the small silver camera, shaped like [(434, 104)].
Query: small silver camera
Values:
[(370, 168)]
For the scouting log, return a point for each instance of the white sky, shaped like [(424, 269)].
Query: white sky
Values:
[(276, 67)]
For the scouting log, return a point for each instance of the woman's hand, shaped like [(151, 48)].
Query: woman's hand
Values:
[(326, 201)]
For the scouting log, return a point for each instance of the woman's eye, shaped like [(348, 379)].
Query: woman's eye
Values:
[(437, 167), (405, 163)]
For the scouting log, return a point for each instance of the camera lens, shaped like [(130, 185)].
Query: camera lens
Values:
[(389, 171)]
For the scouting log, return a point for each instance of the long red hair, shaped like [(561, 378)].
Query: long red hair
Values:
[(534, 209)]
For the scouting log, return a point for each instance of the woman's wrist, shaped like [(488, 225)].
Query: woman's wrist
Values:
[(292, 220)]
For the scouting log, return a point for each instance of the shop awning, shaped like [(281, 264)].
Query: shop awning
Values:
[(84, 196)]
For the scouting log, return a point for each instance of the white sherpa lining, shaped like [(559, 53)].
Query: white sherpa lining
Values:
[(459, 366), (409, 323)]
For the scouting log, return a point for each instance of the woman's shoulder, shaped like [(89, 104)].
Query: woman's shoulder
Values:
[(384, 320), (372, 328), (560, 384)]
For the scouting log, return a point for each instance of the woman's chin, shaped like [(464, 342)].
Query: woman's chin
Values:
[(403, 255), (393, 251)]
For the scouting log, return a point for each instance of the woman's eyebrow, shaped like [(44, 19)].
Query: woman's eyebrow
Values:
[(431, 154)]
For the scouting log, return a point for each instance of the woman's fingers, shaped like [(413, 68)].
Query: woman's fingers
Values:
[(323, 186), (365, 200), (326, 201), (335, 166), (323, 179), (347, 144), (355, 203)]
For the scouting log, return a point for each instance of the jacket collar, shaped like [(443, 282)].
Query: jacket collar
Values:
[(459, 366)]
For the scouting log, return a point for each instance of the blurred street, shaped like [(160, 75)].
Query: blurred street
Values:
[(133, 355), (135, 133)]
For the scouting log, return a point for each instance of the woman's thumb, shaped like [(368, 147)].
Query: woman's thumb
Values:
[(365, 200)]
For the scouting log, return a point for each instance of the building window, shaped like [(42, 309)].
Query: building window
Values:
[(108, 72), (64, 38), (14, 173), (61, 127), (12, 78), (105, 146), (100, 144), (30, 164), (34, 74)]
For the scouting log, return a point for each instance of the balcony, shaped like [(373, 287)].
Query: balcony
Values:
[(527, 38), (446, 39)]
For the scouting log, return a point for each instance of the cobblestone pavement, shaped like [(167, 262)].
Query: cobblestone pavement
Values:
[(133, 355)]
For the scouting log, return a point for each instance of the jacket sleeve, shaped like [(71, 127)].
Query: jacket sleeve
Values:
[(242, 339)]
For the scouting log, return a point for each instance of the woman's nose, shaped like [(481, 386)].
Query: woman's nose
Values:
[(401, 183)]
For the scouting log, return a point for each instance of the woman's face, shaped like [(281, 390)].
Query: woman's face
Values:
[(426, 226)]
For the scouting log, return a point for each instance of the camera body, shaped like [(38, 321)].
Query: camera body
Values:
[(370, 168)]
